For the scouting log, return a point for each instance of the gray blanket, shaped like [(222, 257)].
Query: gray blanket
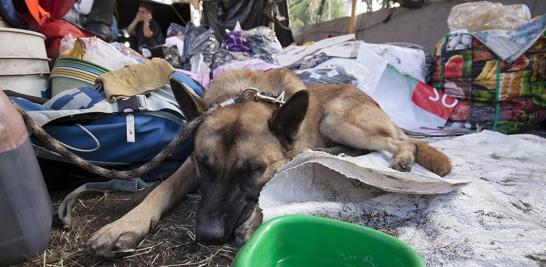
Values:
[(498, 219)]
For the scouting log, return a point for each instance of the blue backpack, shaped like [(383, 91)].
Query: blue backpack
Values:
[(129, 131), (124, 134)]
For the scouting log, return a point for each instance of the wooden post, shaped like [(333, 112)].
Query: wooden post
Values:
[(352, 19), (320, 10)]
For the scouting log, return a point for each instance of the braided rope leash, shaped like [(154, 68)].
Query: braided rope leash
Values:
[(56, 146)]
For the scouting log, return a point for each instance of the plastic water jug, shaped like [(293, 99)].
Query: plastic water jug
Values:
[(25, 207)]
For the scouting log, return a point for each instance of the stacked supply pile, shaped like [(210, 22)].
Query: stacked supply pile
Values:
[(24, 65), (392, 74), (499, 76), (83, 60), (71, 73)]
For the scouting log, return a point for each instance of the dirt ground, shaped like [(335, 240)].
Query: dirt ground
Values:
[(170, 243)]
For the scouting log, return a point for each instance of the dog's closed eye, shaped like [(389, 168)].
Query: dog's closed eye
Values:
[(201, 158), (247, 177), (252, 168), (204, 165)]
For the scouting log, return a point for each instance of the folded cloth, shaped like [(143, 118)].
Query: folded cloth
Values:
[(313, 60), (336, 75), (291, 55), (136, 79), (235, 42), (510, 45), (202, 79)]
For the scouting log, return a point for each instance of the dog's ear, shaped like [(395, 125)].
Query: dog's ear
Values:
[(190, 103), (286, 120)]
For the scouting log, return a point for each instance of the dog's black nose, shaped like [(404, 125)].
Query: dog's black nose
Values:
[(210, 234)]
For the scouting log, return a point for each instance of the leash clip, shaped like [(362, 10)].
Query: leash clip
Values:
[(252, 92)]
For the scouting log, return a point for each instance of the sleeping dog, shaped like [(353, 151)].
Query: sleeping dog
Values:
[(240, 146)]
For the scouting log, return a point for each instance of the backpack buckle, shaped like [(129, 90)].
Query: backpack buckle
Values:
[(133, 104)]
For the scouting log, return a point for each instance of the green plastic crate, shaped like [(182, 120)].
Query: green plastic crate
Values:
[(308, 241)]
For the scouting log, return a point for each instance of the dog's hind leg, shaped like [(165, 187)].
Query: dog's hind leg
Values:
[(366, 126), (126, 232)]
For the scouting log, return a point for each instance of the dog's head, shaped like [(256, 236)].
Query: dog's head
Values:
[(237, 149)]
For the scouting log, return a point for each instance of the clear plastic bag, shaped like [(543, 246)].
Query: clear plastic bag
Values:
[(199, 40), (223, 57), (262, 40), (99, 52), (481, 16), (175, 29), (198, 64)]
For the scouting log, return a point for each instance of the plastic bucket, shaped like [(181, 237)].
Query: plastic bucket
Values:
[(21, 43), (23, 66), (34, 85)]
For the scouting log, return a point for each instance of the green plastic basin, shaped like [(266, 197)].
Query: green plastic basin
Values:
[(308, 241), (63, 83)]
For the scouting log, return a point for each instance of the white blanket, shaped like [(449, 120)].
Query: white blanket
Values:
[(499, 219)]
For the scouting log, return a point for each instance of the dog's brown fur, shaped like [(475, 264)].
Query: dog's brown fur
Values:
[(240, 147), (336, 114)]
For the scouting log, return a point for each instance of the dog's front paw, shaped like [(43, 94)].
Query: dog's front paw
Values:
[(117, 236), (247, 229), (402, 164)]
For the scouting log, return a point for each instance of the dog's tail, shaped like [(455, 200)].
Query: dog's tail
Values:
[(431, 158)]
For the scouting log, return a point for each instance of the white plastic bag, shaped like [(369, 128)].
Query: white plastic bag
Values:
[(481, 16), (411, 104), (198, 64), (407, 60), (99, 52)]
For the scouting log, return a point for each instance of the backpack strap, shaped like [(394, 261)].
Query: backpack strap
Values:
[(65, 208)]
